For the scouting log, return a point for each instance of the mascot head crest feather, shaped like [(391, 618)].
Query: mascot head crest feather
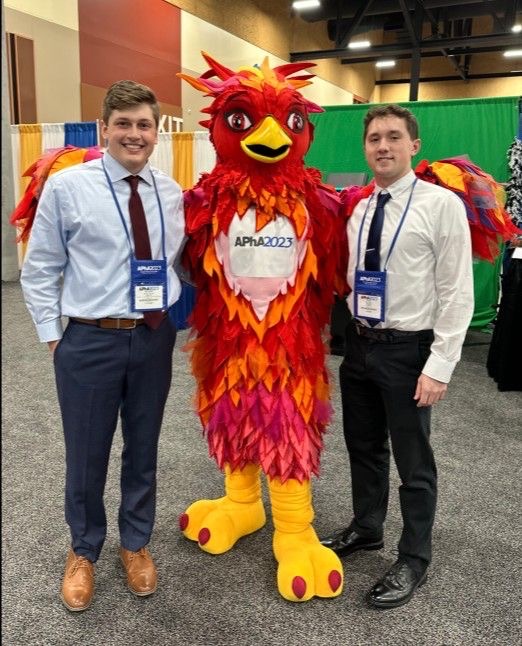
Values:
[(257, 113)]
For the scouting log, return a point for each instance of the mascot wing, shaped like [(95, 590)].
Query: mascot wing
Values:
[(50, 162), (483, 197)]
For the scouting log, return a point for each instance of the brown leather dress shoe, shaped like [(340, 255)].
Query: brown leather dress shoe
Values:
[(78, 583), (142, 576)]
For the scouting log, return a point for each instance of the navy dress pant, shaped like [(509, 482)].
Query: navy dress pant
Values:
[(100, 373), (378, 380)]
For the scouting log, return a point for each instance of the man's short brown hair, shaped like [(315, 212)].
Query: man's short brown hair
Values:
[(123, 95), (392, 110)]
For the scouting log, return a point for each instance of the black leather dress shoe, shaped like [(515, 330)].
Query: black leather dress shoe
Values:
[(346, 541), (396, 587)]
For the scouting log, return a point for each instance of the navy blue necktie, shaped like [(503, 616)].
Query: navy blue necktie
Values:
[(140, 233), (372, 259)]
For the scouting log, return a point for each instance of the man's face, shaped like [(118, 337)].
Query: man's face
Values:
[(389, 149), (131, 135)]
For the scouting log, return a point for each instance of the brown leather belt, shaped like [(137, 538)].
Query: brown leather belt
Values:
[(111, 324)]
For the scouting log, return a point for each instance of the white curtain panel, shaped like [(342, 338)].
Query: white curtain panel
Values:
[(15, 153), (162, 156), (53, 135), (204, 154)]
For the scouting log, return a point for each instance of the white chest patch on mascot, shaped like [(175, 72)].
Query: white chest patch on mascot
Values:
[(260, 264)]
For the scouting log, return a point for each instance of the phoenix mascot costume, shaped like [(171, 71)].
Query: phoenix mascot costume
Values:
[(265, 247)]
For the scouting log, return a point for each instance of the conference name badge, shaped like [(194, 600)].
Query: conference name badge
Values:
[(369, 295), (148, 285)]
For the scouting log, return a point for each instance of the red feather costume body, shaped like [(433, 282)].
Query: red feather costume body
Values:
[(263, 391)]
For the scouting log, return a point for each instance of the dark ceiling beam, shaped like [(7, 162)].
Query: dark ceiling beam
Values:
[(414, 33), (408, 23), (329, 8), (343, 37), (511, 13), (498, 41), (455, 52), (432, 79), (505, 23), (435, 28)]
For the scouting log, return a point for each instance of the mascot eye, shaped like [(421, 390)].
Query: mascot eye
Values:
[(295, 121), (238, 120)]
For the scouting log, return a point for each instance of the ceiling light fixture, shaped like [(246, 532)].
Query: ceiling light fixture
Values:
[(513, 53), (359, 44), (385, 64), (516, 29), (305, 4)]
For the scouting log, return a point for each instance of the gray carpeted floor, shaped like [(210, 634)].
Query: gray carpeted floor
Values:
[(472, 597)]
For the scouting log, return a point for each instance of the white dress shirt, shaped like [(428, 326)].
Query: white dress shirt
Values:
[(429, 273), (78, 258)]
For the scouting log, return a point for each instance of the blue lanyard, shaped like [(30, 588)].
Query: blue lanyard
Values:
[(122, 218), (396, 232)]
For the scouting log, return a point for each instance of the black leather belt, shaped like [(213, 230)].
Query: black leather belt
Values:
[(388, 335), (111, 324)]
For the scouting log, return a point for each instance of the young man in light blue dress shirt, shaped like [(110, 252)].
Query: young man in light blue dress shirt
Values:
[(108, 361)]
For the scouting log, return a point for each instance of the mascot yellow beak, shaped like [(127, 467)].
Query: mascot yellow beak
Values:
[(269, 143)]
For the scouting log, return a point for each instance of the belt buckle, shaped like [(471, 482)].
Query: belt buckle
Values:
[(130, 324)]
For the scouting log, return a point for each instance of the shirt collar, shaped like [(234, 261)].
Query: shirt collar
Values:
[(399, 186), (118, 172)]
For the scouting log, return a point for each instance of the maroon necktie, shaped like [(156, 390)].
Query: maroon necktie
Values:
[(141, 241)]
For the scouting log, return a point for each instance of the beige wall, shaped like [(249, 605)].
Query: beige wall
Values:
[(56, 54), (270, 28), (61, 12), (233, 52), (453, 90)]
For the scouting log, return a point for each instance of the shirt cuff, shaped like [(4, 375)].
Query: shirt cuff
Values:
[(439, 369), (50, 331)]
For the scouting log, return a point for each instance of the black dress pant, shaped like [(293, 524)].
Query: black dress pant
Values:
[(100, 373), (378, 378)]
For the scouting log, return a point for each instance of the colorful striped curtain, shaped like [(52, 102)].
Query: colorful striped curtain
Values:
[(162, 156), (82, 134), (204, 154), (182, 148), (53, 135), (30, 150)]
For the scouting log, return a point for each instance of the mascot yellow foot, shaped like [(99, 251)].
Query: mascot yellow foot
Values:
[(305, 567), (217, 524)]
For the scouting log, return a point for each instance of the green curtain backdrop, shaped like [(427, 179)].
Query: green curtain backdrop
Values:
[(481, 128)]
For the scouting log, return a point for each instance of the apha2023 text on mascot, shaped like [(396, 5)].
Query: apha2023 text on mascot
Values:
[(265, 251)]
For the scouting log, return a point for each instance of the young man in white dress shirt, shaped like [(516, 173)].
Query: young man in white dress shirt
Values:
[(85, 261), (410, 313)]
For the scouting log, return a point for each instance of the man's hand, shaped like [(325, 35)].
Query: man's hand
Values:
[(429, 391), (52, 345)]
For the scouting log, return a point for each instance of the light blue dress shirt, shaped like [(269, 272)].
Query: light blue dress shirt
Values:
[(78, 258)]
